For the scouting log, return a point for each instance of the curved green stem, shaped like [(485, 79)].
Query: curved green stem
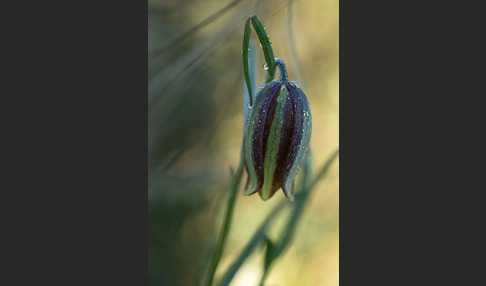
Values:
[(246, 59), (266, 47), (283, 70)]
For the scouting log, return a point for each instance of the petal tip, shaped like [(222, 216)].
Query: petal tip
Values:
[(249, 192)]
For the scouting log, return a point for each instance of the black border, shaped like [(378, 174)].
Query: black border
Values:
[(408, 131), (75, 103)]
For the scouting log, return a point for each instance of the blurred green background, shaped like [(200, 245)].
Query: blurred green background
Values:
[(195, 124)]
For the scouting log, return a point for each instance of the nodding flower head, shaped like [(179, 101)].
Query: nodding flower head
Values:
[(277, 135)]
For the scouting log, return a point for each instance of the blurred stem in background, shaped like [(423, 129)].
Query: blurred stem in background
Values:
[(235, 183), (299, 74)]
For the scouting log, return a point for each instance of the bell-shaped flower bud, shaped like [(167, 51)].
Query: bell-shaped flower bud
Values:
[(276, 137)]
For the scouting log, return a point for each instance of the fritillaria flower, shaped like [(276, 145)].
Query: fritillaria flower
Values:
[(276, 137)]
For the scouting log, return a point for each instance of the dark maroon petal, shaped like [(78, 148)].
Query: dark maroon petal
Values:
[(285, 140), (296, 137)]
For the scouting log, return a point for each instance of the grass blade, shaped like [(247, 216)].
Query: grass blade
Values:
[(254, 243), (236, 179), (266, 46), (246, 59), (179, 38)]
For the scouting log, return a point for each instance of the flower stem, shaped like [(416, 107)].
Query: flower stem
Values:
[(235, 182), (283, 70)]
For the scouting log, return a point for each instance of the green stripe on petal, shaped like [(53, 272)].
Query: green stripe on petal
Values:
[(273, 141), (304, 142)]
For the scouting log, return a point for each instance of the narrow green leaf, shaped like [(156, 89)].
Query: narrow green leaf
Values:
[(269, 253), (253, 244), (321, 174), (246, 60), (266, 46)]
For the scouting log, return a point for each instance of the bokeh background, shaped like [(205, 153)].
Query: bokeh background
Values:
[(195, 124)]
